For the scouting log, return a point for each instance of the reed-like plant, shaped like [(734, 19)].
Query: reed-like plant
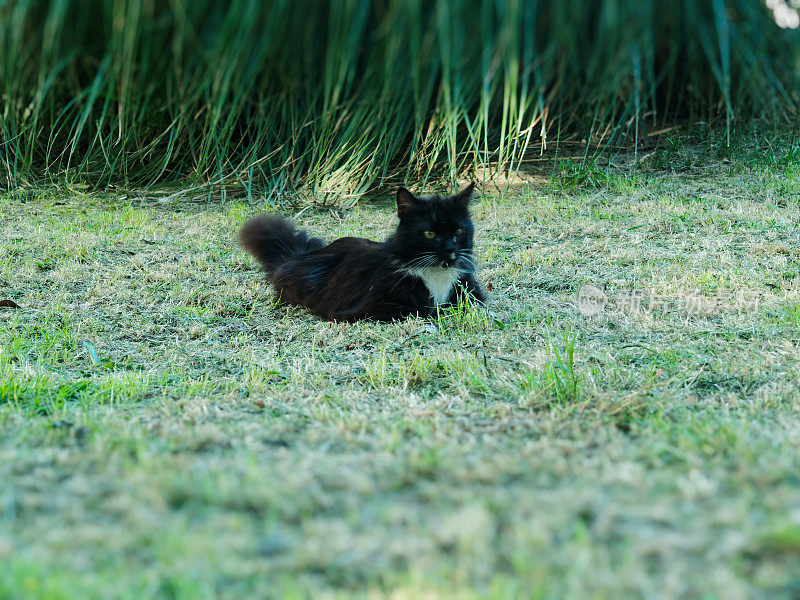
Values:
[(333, 98)]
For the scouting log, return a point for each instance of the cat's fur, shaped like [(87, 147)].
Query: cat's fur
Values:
[(355, 278)]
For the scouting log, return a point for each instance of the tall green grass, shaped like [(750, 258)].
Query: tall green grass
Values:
[(333, 98)]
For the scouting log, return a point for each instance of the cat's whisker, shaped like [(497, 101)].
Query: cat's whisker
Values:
[(423, 261), (467, 261)]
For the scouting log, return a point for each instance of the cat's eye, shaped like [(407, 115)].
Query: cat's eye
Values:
[(459, 232), (430, 235)]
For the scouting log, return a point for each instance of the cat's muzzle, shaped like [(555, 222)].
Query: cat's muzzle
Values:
[(449, 260)]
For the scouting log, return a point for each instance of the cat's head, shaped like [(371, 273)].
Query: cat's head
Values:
[(435, 231)]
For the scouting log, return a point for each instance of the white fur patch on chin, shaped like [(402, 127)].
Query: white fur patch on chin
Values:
[(439, 281)]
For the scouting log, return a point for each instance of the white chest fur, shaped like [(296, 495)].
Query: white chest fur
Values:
[(439, 282)]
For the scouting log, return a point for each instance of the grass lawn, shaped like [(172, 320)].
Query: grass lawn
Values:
[(167, 429)]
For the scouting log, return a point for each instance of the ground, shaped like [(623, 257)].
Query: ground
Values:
[(168, 430)]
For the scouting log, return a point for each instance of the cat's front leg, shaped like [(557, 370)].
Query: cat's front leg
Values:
[(467, 285)]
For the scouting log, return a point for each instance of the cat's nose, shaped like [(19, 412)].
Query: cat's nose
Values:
[(452, 256)]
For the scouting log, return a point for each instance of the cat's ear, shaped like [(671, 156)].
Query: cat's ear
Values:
[(406, 202), (463, 197)]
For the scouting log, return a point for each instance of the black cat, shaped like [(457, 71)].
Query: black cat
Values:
[(426, 263)]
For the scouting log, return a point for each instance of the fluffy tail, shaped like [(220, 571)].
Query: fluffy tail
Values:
[(273, 239)]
